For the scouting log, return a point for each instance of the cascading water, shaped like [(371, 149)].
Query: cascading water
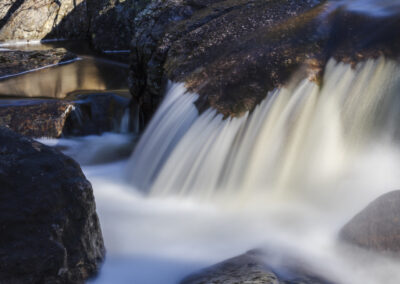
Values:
[(299, 139), (285, 177)]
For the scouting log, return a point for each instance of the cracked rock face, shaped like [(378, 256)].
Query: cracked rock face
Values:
[(36, 19), (50, 229)]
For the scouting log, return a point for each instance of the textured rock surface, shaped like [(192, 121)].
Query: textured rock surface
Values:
[(41, 118), (232, 52), (84, 115), (16, 61), (251, 268), (36, 19), (111, 22), (50, 229), (377, 227)]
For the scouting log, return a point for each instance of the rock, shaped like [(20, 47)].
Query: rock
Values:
[(111, 22), (37, 19), (81, 115), (96, 113), (50, 229), (17, 61), (36, 118), (247, 268), (233, 52), (377, 227), (251, 267)]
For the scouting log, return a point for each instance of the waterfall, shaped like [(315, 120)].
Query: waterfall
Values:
[(297, 140)]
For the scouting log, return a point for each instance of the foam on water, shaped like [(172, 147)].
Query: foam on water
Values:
[(199, 189)]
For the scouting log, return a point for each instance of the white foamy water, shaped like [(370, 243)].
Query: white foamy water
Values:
[(371, 7), (199, 189)]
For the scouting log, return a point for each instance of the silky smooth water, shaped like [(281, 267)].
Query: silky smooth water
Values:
[(199, 189)]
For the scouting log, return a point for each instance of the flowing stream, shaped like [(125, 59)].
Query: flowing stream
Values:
[(199, 189)]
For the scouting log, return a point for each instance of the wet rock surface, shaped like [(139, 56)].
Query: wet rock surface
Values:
[(233, 52), (82, 115), (251, 268), (377, 227), (13, 62), (50, 229), (36, 19)]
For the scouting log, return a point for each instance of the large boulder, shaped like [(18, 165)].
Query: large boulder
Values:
[(232, 52), (36, 19), (377, 227), (50, 232), (252, 267)]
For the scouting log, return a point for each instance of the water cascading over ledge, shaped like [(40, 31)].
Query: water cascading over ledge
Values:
[(297, 140)]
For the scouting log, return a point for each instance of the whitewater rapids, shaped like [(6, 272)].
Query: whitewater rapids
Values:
[(199, 189)]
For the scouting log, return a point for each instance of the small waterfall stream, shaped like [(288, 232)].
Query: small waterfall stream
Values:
[(300, 139), (199, 189)]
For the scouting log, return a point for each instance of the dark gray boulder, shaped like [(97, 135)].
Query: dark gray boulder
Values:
[(50, 232), (377, 227)]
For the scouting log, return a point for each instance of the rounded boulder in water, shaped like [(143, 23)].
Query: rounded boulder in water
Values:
[(377, 227), (50, 232)]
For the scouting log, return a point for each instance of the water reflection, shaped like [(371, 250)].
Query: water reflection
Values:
[(88, 74)]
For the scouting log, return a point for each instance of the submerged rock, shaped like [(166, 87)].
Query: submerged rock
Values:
[(82, 115), (251, 267), (233, 52), (13, 62), (377, 227), (50, 232)]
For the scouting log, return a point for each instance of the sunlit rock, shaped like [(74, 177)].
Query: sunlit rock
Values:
[(82, 115), (34, 20), (233, 52)]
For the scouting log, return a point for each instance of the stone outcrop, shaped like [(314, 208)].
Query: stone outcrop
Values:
[(232, 52), (107, 23), (251, 267), (377, 227), (34, 20), (111, 22), (50, 229), (18, 61), (82, 115)]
